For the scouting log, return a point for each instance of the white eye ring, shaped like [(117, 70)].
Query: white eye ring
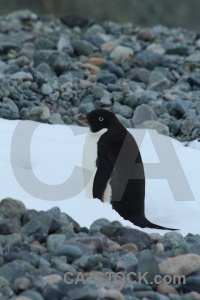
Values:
[(101, 119)]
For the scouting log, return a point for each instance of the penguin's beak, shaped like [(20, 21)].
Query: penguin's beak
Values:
[(83, 118)]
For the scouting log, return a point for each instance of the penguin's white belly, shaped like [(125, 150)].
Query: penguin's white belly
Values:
[(89, 163)]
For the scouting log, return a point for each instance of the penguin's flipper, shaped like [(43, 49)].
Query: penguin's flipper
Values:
[(102, 176)]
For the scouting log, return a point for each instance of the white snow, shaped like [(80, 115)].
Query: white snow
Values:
[(56, 149)]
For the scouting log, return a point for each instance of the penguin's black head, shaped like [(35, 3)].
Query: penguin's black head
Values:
[(99, 119)]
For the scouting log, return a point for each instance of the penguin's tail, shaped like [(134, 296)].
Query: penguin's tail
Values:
[(143, 223)]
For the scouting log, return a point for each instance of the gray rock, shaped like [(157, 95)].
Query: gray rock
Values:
[(127, 235), (31, 227), (147, 263), (12, 240), (9, 109), (82, 47), (148, 60), (177, 107), (9, 225), (56, 118), (143, 113), (174, 239), (121, 54), (189, 124), (127, 262), (54, 241), (131, 99), (114, 69), (192, 283), (59, 61), (85, 108), (106, 98), (139, 74), (124, 121), (88, 262), (158, 82), (46, 89), (15, 269), (96, 225), (72, 252), (194, 59), (107, 78), (10, 208), (158, 126), (51, 291), (45, 44), (54, 212), (32, 295), (123, 110)]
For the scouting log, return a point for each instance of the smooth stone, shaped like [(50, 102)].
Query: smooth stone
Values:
[(139, 74), (12, 240), (121, 54), (11, 208), (22, 283), (180, 265), (59, 61), (110, 294), (131, 99), (106, 98), (143, 113), (174, 239), (158, 126), (127, 235), (51, 279), (15, 269), (56, 118), (33, 295), (189, 124), (51, 291), (114, 69), (82, 47), (10, 109), (21, 76), (177, 107), (85, 108), (158, 82), (194, 59), (72, 252), (147, 263), (88, 262), (127, 262), (192, 283), (107, 79), (166, 289), (148, 60), (54, 241), (123, 110), (46, 89), (83, 293)]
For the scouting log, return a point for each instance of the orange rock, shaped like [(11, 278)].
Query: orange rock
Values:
[(131, 248), (91, 67), (96, 60)]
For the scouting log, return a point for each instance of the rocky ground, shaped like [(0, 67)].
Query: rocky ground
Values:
[(37, 249), (52, 70)]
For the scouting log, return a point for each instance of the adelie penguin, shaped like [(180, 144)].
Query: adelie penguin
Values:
[(119, 176)]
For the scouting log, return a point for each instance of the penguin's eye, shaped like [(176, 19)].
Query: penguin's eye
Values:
[(101, 119)]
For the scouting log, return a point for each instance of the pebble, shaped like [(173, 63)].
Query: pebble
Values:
[(82, 47), (180, 265), (121, 54), (166, 289), (107, 79), (143, 113), (158, 126), (46, 89)]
